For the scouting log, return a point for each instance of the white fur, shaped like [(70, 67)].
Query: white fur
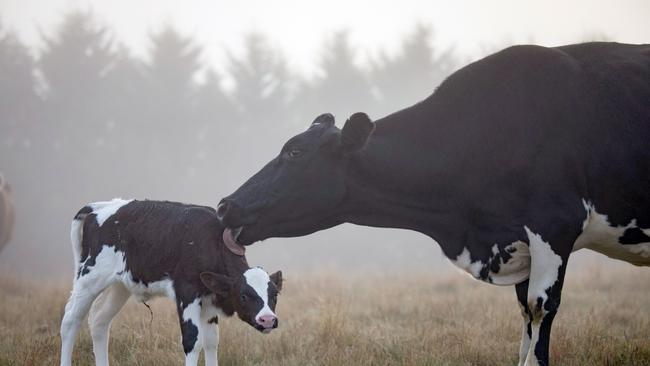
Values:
[(514, 271), (544, 272), (464, 262), (210, 331), (545, 266), (192, 312), (258, 279), (104, 210), (599, 235)]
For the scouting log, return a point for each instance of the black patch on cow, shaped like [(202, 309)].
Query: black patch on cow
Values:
[(633, 235), (190, 334), (214, 320)]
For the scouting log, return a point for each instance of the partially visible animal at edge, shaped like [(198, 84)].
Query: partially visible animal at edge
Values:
[(513, 163), (144, 249), (6, 213)]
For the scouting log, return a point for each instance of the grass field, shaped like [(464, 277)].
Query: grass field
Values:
[(374, 319)]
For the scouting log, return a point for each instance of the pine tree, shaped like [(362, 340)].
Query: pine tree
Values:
[(414, 73)]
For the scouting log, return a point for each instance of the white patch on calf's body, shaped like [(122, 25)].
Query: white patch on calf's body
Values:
[(104, 210)]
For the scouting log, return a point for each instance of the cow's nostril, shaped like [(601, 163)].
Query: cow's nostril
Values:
[(222, 210)]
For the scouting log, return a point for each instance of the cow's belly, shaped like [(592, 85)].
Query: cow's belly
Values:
[(629, 243), (505, 266)]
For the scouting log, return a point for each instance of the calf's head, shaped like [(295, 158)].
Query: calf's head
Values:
[(299, 191), (253, 295)]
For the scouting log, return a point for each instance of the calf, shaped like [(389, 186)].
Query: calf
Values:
[(152, 248)]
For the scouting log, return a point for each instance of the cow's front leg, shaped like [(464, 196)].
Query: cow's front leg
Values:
[(522, 298), (189, 313), (548, 265)]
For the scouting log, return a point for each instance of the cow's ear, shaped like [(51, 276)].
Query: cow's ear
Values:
[(356, 131), (325, 119), (217, 283), (276, 278)]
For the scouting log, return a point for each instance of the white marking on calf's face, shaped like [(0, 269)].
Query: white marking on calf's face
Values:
[(259, 280)]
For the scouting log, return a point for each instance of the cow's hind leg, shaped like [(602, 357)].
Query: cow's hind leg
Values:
[(522, 298), (548, 265), (102, 312)]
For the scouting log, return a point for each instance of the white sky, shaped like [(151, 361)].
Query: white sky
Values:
[(299, 27)]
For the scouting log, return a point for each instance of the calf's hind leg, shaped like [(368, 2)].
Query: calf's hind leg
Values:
[(84, 292), (102, 312)]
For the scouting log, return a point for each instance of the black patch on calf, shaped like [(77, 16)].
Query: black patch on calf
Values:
[(214, 320), (85, 211), (633, 235), (190, 334)]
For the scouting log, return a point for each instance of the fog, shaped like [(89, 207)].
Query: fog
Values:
[(90, 111)]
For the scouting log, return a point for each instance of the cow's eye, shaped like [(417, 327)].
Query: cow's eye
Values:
[(243, 298), (294, 153)]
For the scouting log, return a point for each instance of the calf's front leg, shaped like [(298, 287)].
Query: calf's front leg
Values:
[(189, 313), (210, 331)]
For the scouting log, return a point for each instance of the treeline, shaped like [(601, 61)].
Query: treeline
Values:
[(87, 120)]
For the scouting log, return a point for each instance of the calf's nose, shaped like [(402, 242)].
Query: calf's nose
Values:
[(268, 321)]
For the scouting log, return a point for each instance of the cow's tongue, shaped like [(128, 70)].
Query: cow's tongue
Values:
[(231, 244)]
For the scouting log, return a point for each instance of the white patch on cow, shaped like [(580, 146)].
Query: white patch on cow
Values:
[(516, 269), (600, 236), (258, 279), (464, 262), (104, 210), (513, 271), (544, 269)]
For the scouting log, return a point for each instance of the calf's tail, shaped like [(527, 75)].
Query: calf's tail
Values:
[(76, 235)]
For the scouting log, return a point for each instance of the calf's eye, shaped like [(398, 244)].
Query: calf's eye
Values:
[(243, 298)]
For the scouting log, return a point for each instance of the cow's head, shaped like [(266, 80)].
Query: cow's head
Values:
[(253, 296), (299, 191)]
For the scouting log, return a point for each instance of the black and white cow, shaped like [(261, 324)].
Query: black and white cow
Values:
[(514, 162), (6, 213), (157, 248)]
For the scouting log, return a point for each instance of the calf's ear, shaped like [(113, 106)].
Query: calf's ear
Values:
[(217, 283), (276, 278), (355, 132)]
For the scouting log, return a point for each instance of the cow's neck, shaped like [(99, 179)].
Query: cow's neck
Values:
[(380, 196)]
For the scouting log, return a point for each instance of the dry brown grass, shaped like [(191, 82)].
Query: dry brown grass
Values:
[(326, 319)]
